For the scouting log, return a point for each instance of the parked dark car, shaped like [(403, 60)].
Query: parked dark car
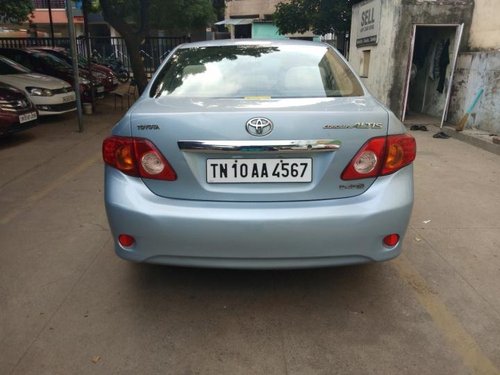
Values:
[(17, 112), (100, 73), (45, 63)]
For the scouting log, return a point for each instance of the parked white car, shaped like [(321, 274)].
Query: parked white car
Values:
[(50, 95)]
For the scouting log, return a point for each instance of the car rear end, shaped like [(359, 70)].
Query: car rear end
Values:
[(258, 155)]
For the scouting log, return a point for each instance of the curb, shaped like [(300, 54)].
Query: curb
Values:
[(484, 144)]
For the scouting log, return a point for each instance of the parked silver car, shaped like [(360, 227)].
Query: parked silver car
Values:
[(258, 154), (50, 95)]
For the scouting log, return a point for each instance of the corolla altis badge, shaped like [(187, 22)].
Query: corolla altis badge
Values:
[(358, 125), (259, 126)]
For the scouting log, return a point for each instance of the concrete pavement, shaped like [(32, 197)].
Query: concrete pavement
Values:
[(68, 305)]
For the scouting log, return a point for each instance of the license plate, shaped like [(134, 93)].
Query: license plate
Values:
[(27, 117), (68, 98), (100, 89), (223, 171)]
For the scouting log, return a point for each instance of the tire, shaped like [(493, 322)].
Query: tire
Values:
[(123, 76)]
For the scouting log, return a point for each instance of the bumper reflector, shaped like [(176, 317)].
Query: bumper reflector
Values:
[(391, 240), (125, 240)]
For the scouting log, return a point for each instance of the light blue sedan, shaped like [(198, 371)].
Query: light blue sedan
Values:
[(258, 154)]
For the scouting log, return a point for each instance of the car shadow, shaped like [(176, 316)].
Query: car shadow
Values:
[(347, 300), (157, 280), (16, 139)]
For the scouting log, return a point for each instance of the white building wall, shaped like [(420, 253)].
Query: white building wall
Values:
[(242, 8), (381, 65), (485, 28), (480, 69), (475, 71), (478, 64)]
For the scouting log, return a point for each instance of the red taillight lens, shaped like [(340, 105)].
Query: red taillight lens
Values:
[(367, 161), (126, 240), (391, 240), (381, 156), (137, 157)]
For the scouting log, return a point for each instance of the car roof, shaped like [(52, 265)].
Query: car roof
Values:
[(47, 48), (25, 50), (252, 42)]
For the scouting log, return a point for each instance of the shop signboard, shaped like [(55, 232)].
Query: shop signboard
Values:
[(368, 24)]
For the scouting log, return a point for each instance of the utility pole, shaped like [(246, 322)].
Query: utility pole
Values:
[(76, 77), (85, 9), (51, 23)]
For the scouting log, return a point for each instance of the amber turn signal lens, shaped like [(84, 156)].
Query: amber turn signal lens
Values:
[(124, 158), (395, 156)]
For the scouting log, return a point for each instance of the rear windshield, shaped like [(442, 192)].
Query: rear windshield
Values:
[(256, 71)]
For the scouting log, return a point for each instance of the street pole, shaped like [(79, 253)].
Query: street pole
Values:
[(85, 10), (76, 78), (51, 23)]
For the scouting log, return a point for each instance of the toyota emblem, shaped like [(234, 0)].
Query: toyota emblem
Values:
[(259, 126)]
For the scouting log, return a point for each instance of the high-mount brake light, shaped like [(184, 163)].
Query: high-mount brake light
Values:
[(137, 157), (381, 156)]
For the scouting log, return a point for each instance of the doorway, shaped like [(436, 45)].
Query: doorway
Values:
[(431, 65), (243, 31)]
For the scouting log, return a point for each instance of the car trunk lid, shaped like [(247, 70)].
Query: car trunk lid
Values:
[(208, 142)]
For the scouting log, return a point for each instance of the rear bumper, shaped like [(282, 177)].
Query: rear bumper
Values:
[(259, 235)]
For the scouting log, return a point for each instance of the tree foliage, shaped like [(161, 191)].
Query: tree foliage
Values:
[(134, 19), (16, 10), (320, 16)]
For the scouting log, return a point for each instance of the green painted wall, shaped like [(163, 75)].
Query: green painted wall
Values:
[(265, 31), (261, 30)]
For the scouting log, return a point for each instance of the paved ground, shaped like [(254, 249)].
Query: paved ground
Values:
[(68, 305)]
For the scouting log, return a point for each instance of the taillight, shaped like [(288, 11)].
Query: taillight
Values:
[(381, 156), (400, 151), (137, 157)]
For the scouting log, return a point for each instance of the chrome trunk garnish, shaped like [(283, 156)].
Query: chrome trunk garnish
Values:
[(318, 145)]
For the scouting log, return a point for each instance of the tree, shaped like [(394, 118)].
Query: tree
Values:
[(16, 11), (320, 16), (133, 19)]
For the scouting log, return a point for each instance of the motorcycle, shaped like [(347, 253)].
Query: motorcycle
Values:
[(116, 65)]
